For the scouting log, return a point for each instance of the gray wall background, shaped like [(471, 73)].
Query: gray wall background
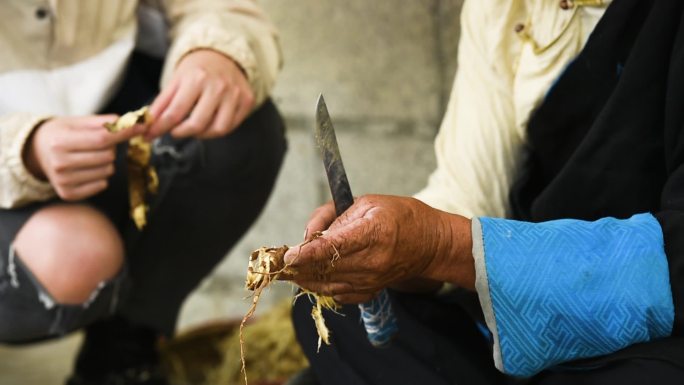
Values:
[(385, 68)]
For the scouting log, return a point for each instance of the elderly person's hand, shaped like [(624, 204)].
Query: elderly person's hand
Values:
[(382, 241), (207, 97)]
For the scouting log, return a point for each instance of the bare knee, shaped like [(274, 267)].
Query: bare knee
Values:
[(70, 249)]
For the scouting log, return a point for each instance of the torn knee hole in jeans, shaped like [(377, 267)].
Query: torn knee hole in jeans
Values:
[(19, 274)]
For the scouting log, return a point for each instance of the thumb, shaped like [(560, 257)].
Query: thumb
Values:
[(99, 120), (291, 254), (320, 220)]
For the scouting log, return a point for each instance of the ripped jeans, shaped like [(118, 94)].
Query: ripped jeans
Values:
[(210, 193), (22, 294)]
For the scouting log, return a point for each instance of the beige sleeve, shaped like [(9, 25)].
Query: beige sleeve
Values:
[(17, 186), (477, 146), (236, 28)]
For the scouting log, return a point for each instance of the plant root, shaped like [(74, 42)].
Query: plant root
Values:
[(142, 177), (265, 265)]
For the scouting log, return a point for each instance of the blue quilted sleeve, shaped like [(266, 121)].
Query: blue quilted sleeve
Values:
[(568, 289)]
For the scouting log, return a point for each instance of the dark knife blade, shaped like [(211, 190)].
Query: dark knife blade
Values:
[(327, 143), (377, 315)]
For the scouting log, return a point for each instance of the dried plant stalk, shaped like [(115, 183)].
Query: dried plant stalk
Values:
[(265, 264), (142, 177)]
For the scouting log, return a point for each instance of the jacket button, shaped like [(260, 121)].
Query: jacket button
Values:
[(566, 4), (42, 13), (519, 27)]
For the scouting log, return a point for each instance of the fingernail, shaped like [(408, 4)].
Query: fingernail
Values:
[(291, 254)]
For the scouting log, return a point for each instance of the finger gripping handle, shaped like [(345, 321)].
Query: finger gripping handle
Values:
[(379, 319)]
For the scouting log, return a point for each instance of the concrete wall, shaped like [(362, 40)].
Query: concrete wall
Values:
[(385, 68)]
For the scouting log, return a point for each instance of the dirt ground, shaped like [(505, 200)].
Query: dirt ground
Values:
[(46, 363)]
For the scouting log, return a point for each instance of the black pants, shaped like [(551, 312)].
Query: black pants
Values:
[(439, 344), (210, 193)]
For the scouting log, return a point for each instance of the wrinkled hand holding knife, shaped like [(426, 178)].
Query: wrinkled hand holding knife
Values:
[(378, 316)]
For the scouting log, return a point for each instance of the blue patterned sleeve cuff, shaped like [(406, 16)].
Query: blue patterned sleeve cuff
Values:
[(567, 289)]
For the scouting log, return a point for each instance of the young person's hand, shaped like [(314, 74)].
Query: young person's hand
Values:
[(75, 154), (207, 97)]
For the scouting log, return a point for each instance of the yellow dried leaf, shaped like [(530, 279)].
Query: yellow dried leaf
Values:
[(139, 215), (319, 321), (152, 180), (142, 177), (130, 119)]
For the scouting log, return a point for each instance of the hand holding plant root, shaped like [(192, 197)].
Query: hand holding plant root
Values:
[(384, 242), (379, 242)]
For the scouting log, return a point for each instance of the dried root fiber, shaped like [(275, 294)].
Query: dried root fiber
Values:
[(265, 264), (272, 354)]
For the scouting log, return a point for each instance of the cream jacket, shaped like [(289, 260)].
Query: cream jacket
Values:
[(510, 53), (66, 57)]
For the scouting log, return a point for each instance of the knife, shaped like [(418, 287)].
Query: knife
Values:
[(377, 315)]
